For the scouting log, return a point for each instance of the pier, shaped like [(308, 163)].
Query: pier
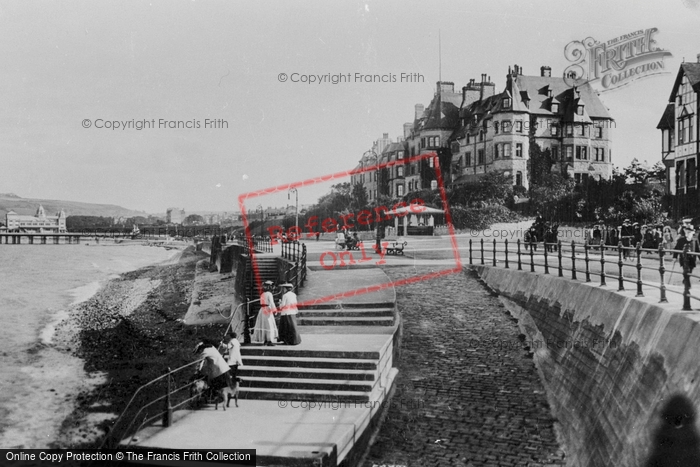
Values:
[(40, 238)]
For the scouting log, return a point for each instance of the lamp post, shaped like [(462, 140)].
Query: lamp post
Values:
[(262, 218), (373, 155), (296, 208)]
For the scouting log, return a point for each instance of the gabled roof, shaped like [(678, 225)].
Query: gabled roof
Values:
[(692, 71), (668, 119), (537, 89), (442, 113)]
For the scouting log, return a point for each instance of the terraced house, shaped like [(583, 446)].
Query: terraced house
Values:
[(680, 140), (478, 131)]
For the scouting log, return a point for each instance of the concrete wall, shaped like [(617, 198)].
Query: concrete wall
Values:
[(610, 366)]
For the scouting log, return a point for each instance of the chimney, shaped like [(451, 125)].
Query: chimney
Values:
[(698, 56), (407, 130), (420, 108), (545, 71), (386, 135)]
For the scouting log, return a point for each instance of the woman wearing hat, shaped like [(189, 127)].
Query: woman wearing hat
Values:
[(213, 366), (289, 334), (265, 329)]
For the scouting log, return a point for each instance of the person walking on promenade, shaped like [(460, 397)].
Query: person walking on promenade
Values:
[(232, 353), (265, 329), (289, 334), (667, 238), (690, 260), (626, 237)]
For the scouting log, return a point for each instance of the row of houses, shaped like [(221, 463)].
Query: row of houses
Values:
[(479, 130)]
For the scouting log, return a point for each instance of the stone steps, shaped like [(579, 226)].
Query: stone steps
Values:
[(273, 382), (306, 373), (347, 313), (312, 362), (346, 321)]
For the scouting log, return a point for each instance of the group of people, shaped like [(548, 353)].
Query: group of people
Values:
[(219, 366), (266, 330), (542, 231)]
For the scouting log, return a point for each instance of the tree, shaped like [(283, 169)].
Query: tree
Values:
[(539, 165), (359, 197), (193, 219)]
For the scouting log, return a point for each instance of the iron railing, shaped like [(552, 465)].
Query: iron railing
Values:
[(566, 257), (295, 253)]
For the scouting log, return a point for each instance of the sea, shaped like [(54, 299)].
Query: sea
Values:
[(38, 283)]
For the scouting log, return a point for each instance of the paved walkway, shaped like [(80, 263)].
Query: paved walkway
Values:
[(467, 392)]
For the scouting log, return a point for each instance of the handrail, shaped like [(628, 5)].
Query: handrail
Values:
[(624, 258), (110, 435)]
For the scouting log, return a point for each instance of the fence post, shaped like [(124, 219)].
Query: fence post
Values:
[(621, 284), (561, 271), (640, 293), (494, 252), (532, 257), (470, 251), (482, 251), (586, 259), (686, 278), (573, 260), (602, 264), (662, 270), (246, 324), (520, 265), (546, 262), (168, 413), (506, 246)]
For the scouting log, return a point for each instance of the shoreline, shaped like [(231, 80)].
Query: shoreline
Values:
[(125, 335)]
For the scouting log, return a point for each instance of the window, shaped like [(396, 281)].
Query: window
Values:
[(519, 178), (569, 129), (481, 135), (400, 155), (422, 142), (433, 185), (410, 186), (691, 173), (555, 107), (480, 156), (399, 190), (680, 175), (496, 148), (554, 130), (506, 102), (468, 139), (495, 127), (376, 176), (519, 126), (579, 110), (431, 162), (555, 153), (506, 126), (577, 177), (580, 129), (400, 173), (518, 149), (599, 131), (569, 153), (507, 150), (468, 159)]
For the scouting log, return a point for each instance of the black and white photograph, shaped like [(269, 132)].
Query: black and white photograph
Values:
[(362, 233)]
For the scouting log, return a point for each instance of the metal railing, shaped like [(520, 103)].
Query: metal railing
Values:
[(171, 400), (295, 252), (564, 257)]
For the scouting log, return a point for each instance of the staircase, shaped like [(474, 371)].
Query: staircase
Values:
[(312, 375), (267, 268), (347, 314)]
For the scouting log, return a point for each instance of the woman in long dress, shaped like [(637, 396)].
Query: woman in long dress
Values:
[(265, 329), (289, 334)]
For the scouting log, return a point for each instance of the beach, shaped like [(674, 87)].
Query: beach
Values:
[(127, 334)]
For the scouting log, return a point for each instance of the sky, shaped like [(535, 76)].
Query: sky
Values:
[(71, 68)]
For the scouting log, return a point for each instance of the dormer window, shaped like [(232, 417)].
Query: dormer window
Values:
[(555, 107), (579, 109), (506, 102)]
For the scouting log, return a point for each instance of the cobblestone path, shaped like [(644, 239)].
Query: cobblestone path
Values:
[(468, 392)]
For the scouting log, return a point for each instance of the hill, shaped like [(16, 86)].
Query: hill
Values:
[(28, 206)]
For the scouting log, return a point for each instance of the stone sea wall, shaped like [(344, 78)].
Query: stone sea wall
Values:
[(614, 366)]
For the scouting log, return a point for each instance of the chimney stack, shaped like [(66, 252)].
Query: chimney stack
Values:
[(545, 71), (698, 56), (420, 108)]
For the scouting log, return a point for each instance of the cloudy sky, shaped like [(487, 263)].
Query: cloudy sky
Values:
[(65, 63)]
